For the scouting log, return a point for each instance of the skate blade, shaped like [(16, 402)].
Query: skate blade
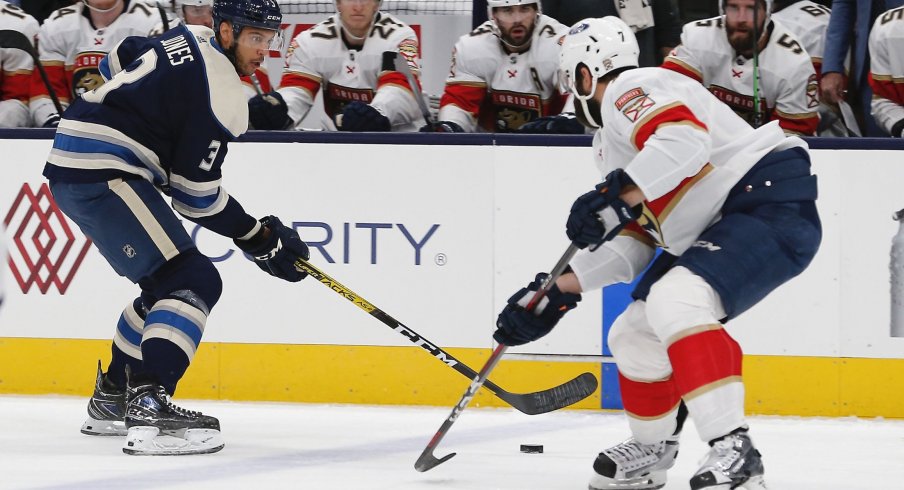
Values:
[(148, 441), (93, 427), (754, 483), (650, 481)]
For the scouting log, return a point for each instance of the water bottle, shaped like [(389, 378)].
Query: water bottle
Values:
[(897, 278)]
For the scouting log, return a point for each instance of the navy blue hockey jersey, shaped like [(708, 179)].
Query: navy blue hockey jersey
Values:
[(165, 114)]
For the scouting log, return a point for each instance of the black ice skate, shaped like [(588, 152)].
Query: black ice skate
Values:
[(158, 427), (632, 465), (106, 409), (732, 463)]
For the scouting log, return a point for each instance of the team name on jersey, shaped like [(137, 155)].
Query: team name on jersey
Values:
[(524, 101), (732, 98), (177, 50), (338, 92)]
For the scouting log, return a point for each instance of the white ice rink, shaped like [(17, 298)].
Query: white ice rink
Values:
[(319, 447)]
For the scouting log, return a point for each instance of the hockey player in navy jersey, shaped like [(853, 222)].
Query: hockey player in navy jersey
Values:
[(731, 209), (160, 124)]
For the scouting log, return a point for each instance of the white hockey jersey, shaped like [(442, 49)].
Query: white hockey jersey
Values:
[(319, 58), (15, 68), (71, 48), (808, 21), (491, 89), (787, 81), (685, 150), (886, 75)]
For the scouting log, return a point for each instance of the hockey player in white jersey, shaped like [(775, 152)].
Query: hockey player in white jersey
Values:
[(886, 71), (16, 68), (730, 207), (779, 83), (504, 75), (343, 56), (72, 42), (808, 21)]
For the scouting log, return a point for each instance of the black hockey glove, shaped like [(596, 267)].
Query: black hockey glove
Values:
[(358, 116), (515, 325), (52, 121), (600, 214), (269, 111), (565, 123), (275, 249), (442, 127)]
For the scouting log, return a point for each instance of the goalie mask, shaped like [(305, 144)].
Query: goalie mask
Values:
[(602, 46), (504, 33)]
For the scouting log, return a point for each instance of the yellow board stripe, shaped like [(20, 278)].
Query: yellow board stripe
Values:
[(775, 385)]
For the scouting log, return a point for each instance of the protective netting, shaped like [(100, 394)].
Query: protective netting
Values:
[(424, 7)]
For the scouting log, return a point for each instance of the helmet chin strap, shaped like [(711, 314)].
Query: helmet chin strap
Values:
[(593, 116), (102, 11)]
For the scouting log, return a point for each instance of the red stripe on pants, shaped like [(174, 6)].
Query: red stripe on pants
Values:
[(704, 358), (648, 400)]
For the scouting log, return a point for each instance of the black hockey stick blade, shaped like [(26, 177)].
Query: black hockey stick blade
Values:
[(428, 461), (553, 398), (529, 403)]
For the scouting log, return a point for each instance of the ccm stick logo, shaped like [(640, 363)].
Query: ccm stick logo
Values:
[(373, 310), (45, 250)]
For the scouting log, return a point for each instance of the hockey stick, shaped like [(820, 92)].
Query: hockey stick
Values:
[(427, 460), (534, 403), (17, 40), (392, 59), (757, 115)]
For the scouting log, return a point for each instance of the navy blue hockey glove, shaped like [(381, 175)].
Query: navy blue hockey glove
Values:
[(515, 325), (269, 111), (600, 214), (442, 127), (275, 249), (358, 116), (565, 123)]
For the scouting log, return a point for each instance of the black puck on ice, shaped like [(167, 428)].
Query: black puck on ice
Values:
[(532, 448)]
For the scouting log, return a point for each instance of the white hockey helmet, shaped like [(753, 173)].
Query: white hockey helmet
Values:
[(603, 46)]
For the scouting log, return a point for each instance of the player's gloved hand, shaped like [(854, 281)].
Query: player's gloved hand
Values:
[(600, 214), (268, 111), (358, 116), (442, 127), (275, 249), (515, 325), (52, 121), (565, 123)]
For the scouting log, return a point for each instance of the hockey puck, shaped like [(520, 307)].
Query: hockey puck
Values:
[(532, 448)]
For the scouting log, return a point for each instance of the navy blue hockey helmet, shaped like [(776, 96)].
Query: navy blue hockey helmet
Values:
[(263, 14)]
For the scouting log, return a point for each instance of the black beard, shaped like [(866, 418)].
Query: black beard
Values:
[(594, 108), (743, 45)]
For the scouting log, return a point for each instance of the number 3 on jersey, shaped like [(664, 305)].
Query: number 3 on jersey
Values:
[(207, 162)]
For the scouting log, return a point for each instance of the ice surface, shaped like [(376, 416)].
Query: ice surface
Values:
[(301, 446)]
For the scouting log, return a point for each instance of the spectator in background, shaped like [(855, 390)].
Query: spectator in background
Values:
[(15, 69), (808, 21), (887, 71), (656, 23), (719, 53), (849, 28)]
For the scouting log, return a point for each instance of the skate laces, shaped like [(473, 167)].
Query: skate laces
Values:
[(168, 401), (630, 450), (725, 452)]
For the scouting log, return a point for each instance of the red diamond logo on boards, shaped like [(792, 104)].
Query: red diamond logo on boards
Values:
[(44, 251)]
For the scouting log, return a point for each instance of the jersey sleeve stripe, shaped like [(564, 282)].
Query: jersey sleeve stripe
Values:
[(468, 97), (683, 68), (303, 81), (76, 152), (199, 207), (15, 85), (101, 132), (674, 113), (393, 78), (887, 86)]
